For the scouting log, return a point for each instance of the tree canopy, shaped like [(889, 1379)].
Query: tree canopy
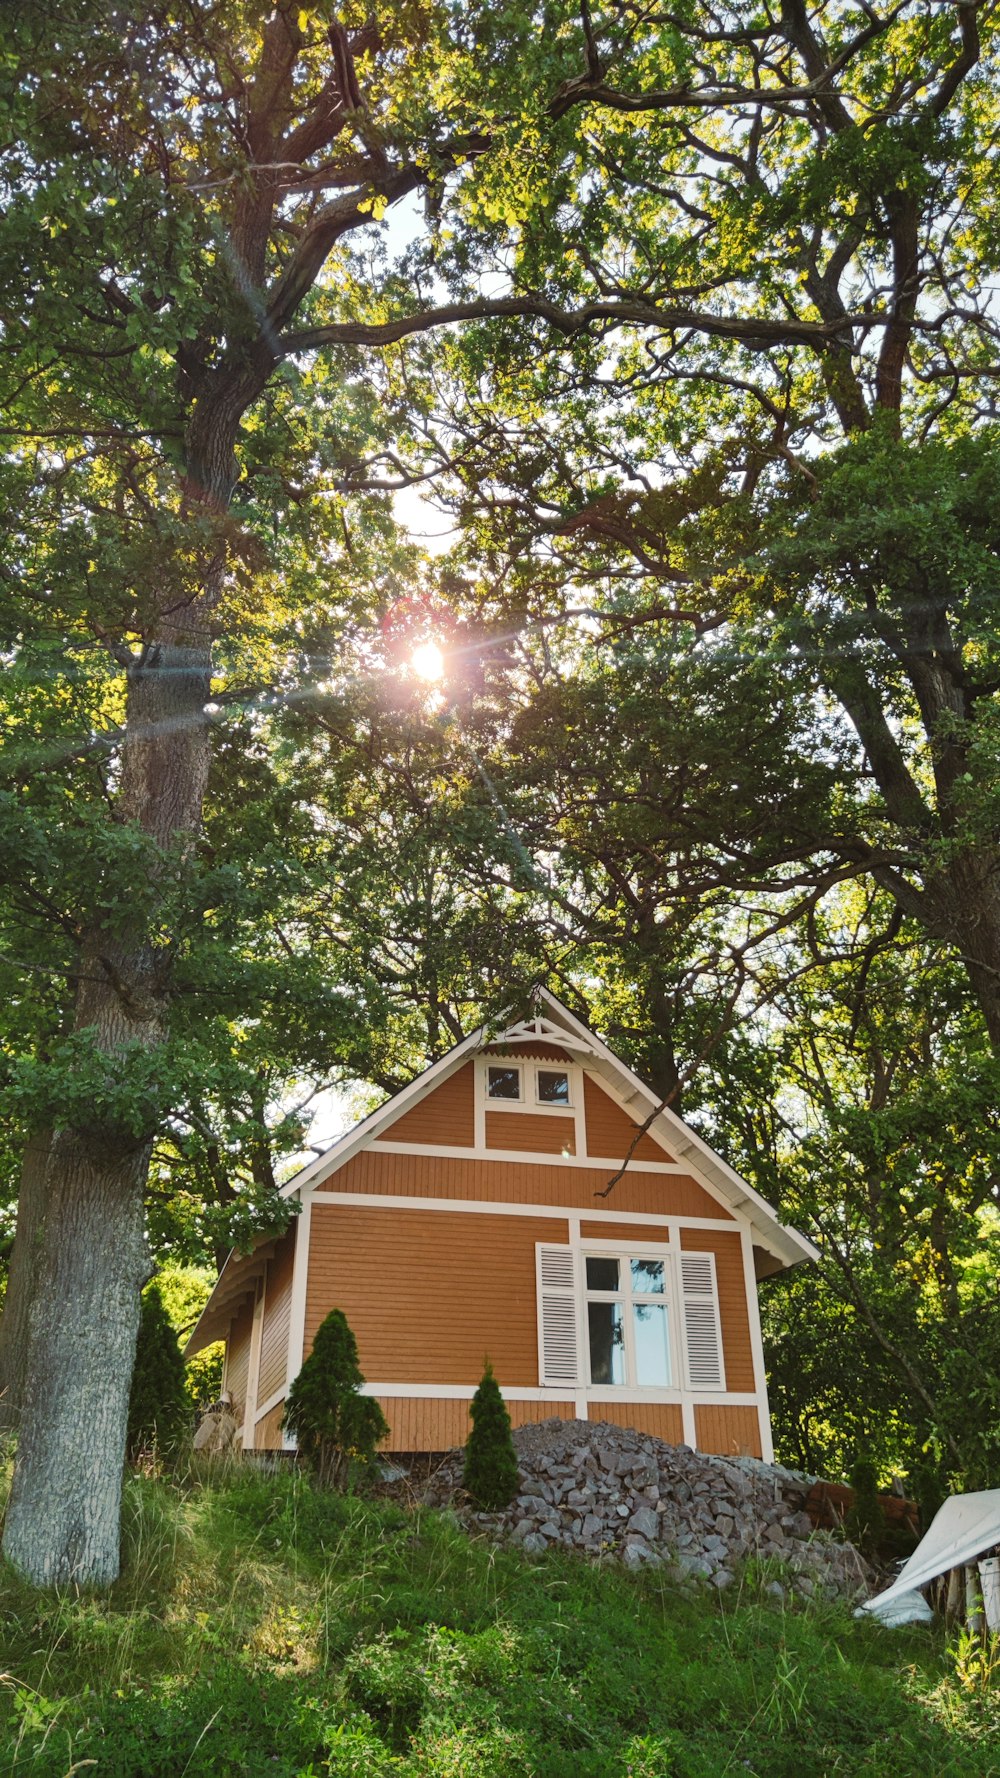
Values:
[(682, 317)]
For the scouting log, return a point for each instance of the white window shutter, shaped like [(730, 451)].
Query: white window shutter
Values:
[(558, 1343), (702, 1327)]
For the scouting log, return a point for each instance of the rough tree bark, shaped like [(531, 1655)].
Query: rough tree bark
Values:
[(62, 1522), (21, 1275)]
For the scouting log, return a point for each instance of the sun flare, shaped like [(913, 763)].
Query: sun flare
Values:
[(427, 662)]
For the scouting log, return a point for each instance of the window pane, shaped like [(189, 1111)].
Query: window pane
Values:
[(607, 1354), (503, 1083), (652, 1358), (553, 1087), (647, 1277), (602, 1274)]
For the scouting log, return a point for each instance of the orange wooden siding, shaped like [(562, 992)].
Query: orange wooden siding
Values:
[(532, 1131), (662, 1419), (610, 1130), (277, 1313), (624, 1231), (422, 1425), (522, 1182), (446, 1117), (238, 1365), (268, 1435), (430, 1294), (728, 1430), (733, 1314)]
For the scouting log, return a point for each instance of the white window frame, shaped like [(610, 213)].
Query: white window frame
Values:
[(665, 1299), (529, 1101), (503, 1104)]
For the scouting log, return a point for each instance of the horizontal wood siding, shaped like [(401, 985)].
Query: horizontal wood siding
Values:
[(624, 1231), (522, 1182), (736, 1347), (610, 1130), (268, 1435), (277, 1312), (446, 1117), (662, 1419), (238, 1357), (533, 1131), (430, 1294), (428, 1425), (727, 1430)]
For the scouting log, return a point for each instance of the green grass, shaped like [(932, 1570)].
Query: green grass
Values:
[(262, 1628)]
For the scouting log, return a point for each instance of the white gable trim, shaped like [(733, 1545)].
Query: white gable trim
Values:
[(707, 1167), (557, 1024)]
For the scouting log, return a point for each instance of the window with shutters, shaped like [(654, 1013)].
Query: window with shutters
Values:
[(628, 1330), (610, 1319)]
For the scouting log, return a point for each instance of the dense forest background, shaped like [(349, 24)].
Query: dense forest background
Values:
[(674, 327)]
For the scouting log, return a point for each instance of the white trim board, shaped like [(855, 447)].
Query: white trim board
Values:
[(594, 1395), (271, 1402)]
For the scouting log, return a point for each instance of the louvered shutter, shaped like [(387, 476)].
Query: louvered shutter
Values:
[(558, 1344), (702, 1329)]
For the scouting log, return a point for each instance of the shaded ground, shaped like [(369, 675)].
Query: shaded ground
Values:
[(262, 1628)]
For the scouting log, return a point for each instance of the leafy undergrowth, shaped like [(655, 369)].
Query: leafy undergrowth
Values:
[(262, 1628)]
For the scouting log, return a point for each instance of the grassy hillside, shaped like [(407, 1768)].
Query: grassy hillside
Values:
[(261, 1628)]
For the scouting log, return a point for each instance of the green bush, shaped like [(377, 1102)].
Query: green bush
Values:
[(865, 1522), (159, 1409), (333, 1423), (490, 1474)]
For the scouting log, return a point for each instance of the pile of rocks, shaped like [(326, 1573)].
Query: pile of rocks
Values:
[(616, 1493)]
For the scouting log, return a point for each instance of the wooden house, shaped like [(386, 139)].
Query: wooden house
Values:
[(465, 1220)]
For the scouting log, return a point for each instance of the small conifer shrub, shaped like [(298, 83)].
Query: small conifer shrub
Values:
[(159, 1409), (490, 1474), (333, 1423)]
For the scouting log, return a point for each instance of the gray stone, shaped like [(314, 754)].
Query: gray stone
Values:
[(534, 1544), (724, 1525), (644, 1522), (774, 1534), (722, 1579)]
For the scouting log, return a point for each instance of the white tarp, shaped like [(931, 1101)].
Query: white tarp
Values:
[(966, 1526)]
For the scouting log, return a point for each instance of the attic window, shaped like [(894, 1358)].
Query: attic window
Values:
[(553, 1086), (503, 1083)]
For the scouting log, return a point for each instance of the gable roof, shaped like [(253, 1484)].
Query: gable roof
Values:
[(553, 1023)]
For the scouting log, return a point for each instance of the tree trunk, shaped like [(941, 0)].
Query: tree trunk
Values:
[(21, 1278), (62, 1522), (63, 1518)]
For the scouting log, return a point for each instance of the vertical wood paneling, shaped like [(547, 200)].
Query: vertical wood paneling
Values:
[(662, 1419), (610, 1130), (445, 1117), (277, 1311), (429, 1425), (534, 1132), (268, 1435), (727, 1430), (431, 1295), (732, 1302), (238, 1366)]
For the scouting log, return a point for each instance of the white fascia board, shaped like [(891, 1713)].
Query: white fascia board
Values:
[(711, 1171), (347, 1146)]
